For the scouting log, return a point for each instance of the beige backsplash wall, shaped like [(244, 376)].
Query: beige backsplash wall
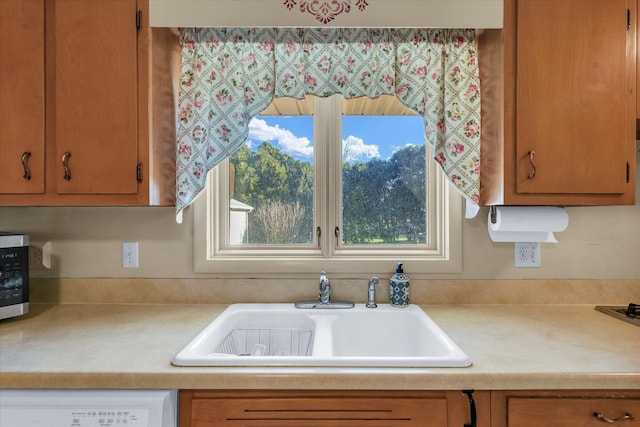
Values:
[(601, 243)]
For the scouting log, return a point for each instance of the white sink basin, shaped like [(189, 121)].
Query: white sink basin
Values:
[(281, 335)]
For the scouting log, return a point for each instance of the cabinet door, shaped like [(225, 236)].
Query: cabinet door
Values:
[(22, 96), (96, 103), (569, 100), (565, 412), (572, 103), (339, 408), (328, 412)]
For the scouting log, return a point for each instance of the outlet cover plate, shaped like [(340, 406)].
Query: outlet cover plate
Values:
[(527, 254)]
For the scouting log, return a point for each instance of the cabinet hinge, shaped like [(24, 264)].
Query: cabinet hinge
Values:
[(139, 172), (628, 19), (139, 20), (628, 172)]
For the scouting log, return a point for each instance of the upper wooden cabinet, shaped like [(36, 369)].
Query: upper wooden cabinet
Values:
[(569, 75), (79, 81), (637, 74), (95, 66), (22, 152)]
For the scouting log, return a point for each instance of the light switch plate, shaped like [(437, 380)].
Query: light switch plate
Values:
[(130, 254), (527, 254)]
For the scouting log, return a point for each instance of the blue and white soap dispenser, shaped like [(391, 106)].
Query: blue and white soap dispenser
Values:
[(399, 288)]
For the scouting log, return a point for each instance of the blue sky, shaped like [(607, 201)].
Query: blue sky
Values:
[(367, 136)]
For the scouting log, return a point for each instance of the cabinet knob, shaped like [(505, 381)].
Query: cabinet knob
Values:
[(65, 166), (532, 154), (25, 165), (625, 417)]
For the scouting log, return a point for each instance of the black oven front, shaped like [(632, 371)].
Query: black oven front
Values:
[(14, 274)]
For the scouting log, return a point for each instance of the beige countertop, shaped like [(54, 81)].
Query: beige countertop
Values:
[(131, 346)]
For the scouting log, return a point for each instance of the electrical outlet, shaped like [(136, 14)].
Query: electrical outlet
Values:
[(35, 257), (527, 254), (130, 254), (40, 257)]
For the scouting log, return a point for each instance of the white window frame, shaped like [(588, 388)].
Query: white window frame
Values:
[(442, 255)]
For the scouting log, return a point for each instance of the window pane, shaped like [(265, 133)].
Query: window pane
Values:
[(279, 137), (383, 180), (271, 183)]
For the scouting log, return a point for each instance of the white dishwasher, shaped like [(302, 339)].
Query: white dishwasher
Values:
[(88, 408)]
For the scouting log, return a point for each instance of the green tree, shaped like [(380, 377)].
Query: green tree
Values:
[(407, 172), (384, 201), (267, 180)]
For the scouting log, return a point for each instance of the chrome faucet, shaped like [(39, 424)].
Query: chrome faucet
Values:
[(324, 294), (324, 297), (371, 293)]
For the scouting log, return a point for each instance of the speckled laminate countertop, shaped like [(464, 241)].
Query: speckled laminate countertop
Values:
[(131, 346)]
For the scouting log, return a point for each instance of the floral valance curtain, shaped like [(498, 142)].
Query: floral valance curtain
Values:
[(230, 75)]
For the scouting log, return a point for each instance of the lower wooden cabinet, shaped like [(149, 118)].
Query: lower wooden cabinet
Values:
[(391, 408), (565, 409), (330, 409)]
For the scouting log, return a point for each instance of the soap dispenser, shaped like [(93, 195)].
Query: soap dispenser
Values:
[(399, 288)]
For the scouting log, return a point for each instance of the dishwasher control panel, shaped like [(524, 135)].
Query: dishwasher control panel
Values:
[(88, 408), (76, 417)]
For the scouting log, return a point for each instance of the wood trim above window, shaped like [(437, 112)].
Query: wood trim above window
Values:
[(276, 13)]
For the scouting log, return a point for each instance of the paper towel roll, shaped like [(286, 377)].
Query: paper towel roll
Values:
[(527, 223)]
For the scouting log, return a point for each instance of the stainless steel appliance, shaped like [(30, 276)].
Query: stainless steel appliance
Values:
[(630, 313), (14, 274)]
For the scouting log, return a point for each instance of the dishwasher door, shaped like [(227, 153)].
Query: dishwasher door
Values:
[(88, 408)]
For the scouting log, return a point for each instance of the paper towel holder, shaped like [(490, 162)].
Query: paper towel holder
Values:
[(493, 212), (526, 223)]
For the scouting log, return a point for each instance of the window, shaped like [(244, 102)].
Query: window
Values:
[(345, 186)]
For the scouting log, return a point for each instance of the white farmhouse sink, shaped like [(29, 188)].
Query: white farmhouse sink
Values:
[(282, 335)]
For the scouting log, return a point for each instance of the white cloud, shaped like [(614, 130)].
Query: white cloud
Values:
[(260, 131), (397, 148), (356, 149)]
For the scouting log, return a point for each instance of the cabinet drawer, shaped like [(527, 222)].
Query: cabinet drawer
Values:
[(319, 411), (560, 412)]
